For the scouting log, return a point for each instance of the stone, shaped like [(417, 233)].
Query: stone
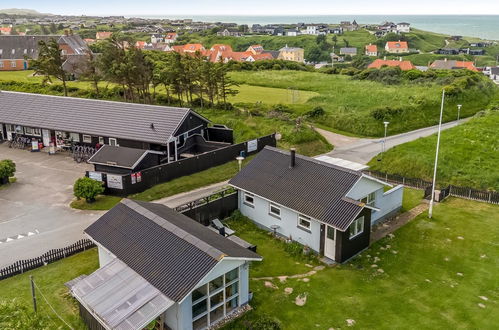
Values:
[(374, 266), (460, 237), (448, 240), (446, 259), (350, 322), (483, 256), (391, 235), (306, 279), (394, 251), (270, 285), (380, 270), (317, 268), (459, 274), (288, 291), (481, 305), (483, 298), (428, 280), (282, 278), (309, 266), (301, 299), (388, 246), (376, 259)]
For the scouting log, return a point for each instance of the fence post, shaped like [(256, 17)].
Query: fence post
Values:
[(33, 294), (490, 196), (403, 180), (469, 195)]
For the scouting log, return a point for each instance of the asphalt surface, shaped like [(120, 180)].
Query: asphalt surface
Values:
[(34, 211), (363, 150)]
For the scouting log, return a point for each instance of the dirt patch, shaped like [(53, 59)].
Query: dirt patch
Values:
[(270, 285)]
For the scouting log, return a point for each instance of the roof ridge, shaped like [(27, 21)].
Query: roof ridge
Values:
[(94, 100), (316, 161), (179, 232)]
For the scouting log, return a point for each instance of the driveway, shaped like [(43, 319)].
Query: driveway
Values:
[(363, 150), (34, 211)]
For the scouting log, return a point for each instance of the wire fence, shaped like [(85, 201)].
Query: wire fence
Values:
[(22, 266)]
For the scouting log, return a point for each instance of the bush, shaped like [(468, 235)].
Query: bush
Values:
[(88, 189), (7, 169), (316, 112)]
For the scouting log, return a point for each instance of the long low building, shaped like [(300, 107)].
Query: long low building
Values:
[(66, 121)]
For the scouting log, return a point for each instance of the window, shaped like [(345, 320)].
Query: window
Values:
[(87, 138), (369, 199), (75, 137), (101, 140), (25, 51), (1, 51), (19, 129), (1, 64), (32, 131), (13, 64), (113, 142), (249, 199), (275, 210), (357, 227), (13, 51), (304, 222)]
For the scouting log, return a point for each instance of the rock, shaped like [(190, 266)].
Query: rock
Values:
[(374, 266), (301, 299), (350, 322), (428, 280), (388, 246), (448, 240), (317, 268), (270, 285), (297, 263), (481, 305), (394, 251), (306, 279), (385, 225), (446, 259), (288, 291), (376, 259), (459, 274), (382, 248), (483, 256), (369, 256), (460, 237), (483, 298), (282, 278), (309, 266), (381, 271), (391, 235)]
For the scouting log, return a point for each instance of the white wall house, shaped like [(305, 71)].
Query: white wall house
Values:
[(403, 27)]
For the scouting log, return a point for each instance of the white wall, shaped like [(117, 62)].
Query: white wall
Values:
[(363, 188), (288, 223), (105, 256), (389, 202)]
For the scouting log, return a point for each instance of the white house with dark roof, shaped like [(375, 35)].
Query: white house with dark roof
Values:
[(327, 207), (157, 263)]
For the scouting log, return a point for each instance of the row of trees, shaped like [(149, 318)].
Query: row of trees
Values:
[(143, 75)]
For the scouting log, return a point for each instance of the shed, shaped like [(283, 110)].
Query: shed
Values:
[(123, 160)]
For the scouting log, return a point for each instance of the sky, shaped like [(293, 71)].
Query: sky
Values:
[(259, 7)]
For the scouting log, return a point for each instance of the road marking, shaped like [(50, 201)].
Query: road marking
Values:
[(19, 236)]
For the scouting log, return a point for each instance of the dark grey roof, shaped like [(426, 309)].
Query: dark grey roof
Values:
[(118, 156), (28, 45), (494, 70), (130, 121), (312, 187), (171, 251)]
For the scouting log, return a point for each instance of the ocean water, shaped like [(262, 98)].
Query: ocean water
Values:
[(482, 26)]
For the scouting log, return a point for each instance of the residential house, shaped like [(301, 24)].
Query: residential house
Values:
[(447, 51), (294, 54), (311, 30), (335, 58), (103, 35), (337, 30), (157, 38), (255, 49), (453, 65), (171, 38), (403, 27), (403, 65), (371, 50), (17, 50), (140, 44), (292, 33), (326, 207), (347, 26), (89, 41), (66, 121), (494, 74), (397, 47), (474, 52), (350, 51), (5, 31), (157, 263), (230, 32), (192, 48)]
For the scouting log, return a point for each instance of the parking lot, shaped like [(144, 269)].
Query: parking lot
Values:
[(34, 211)]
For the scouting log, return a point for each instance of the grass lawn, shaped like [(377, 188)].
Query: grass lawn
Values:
[(253, 94), (411, 198), (102, 202), (50, 279), (469, 155), (434, 273), (349, 103)]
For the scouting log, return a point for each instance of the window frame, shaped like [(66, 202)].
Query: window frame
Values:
[(276, 215), (13, 64), (369, 199), (85, 140), (245, 200), (115, 142), (358, 226), (306, 219)]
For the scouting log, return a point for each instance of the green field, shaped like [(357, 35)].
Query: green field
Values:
[(434, 274), (469, 155), (349, 103), (253, 94)]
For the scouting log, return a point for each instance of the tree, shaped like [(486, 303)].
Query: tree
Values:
[(90, 71), (321, 38), (7, 170), (335, 40), (225, 83), (347, 44), (87, 188), (49, 63), (53, 28)]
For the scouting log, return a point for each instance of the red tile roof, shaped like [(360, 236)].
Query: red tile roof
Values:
[(371, 48), (397, 45), (171, 36), (403, 65)]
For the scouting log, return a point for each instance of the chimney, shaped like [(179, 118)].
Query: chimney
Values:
[(293, 158), (384, 58)]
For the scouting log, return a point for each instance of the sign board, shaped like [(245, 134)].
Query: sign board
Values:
[(114, 181), (139, 176), (133, 177), (34, 145), (97, 176), (252, 145)]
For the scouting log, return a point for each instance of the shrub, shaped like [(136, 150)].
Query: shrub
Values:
[(7, 168), (87, 188), (385, 113), (316, 112)]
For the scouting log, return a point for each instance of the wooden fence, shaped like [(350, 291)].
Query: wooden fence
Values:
[(491, 197), (22, 266)]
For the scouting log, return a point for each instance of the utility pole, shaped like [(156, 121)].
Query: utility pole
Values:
[(432, 197), (33, 294)]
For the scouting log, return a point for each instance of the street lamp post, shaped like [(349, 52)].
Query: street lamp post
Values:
[(432, 197), (384, 140), (459, 111)]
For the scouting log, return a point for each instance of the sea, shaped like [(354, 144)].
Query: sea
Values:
[(481, 26)]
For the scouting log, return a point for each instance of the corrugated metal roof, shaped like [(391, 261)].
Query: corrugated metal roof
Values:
[(130, 121), (119, 297), (312, 187), (168, 249)]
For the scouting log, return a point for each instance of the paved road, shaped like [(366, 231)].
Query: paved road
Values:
[(36, 207), (363, 150)]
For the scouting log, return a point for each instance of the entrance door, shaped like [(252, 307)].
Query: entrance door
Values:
[(46, 137), (9, 135), (330, 243)]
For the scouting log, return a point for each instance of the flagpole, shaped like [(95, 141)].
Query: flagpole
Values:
[(430, 211)]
